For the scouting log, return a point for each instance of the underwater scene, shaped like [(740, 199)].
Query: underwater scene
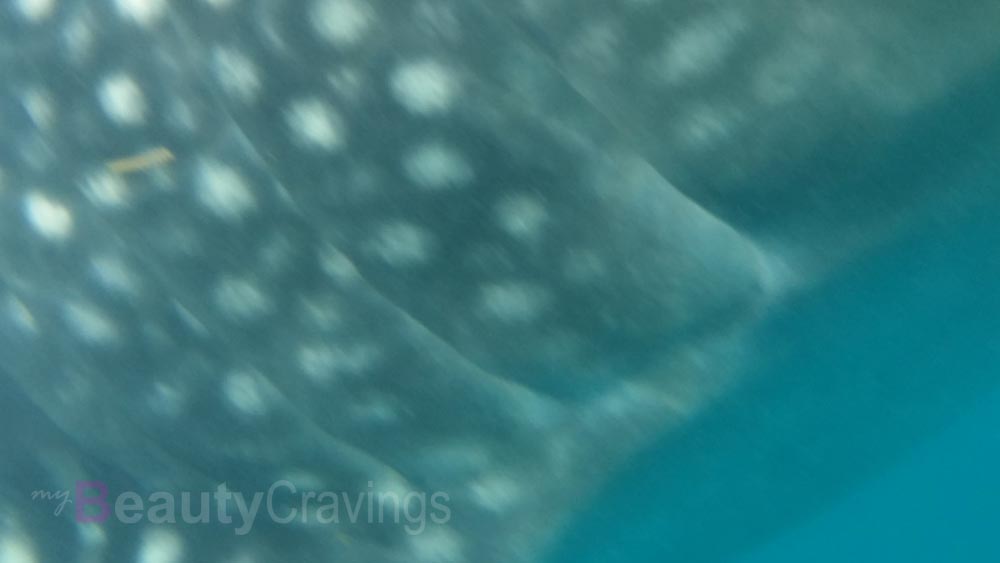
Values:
[(535, 281)]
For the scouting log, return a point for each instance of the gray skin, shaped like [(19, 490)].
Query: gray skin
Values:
[(436, 246)]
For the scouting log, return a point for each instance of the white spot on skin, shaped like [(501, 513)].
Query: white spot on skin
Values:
[(342, 23), (142, 12), (91, 535), (90, 323), (78, 37), (512, 302), (160, 546), (321, 362), (315, 125), (223, 191), (424, 87), (237, 74), (15, 549), (436, 166), (436, 545), (390, 491), (401, 244), (699, 48), (777, 276), (122, 100), (317, 361), (38, 104), (247, 392), (496, 493), (374, 411), (49, 218), (114, 275), (705, 126), (241, 299), (166, 400), (106, 190), (521, 216), (35, 11), (619, 404), (338, 266)]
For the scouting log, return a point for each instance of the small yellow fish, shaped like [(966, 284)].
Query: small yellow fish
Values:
[(142, 161)]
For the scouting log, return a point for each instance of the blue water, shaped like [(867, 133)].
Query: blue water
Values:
[(939, 504), (869, 434)]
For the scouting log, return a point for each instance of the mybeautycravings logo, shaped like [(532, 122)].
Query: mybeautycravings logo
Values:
[(282, 503)]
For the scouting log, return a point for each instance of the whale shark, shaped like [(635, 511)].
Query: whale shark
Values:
[(487, 252)]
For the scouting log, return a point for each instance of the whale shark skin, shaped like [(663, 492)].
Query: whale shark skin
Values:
[(440, 246)]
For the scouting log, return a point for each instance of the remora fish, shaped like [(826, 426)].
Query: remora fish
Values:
[(429, 245)]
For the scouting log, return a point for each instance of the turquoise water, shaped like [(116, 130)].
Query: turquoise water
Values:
[(940, 503), (869, 433)]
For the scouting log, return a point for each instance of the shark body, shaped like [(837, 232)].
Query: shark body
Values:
[(437, 246)]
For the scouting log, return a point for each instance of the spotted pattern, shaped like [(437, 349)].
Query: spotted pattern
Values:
[(341, 22), (424, 86), (223, 191), (48, 218), (422, 244), (122, 100)]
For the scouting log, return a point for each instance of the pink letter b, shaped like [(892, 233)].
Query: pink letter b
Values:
[(100, 500)]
